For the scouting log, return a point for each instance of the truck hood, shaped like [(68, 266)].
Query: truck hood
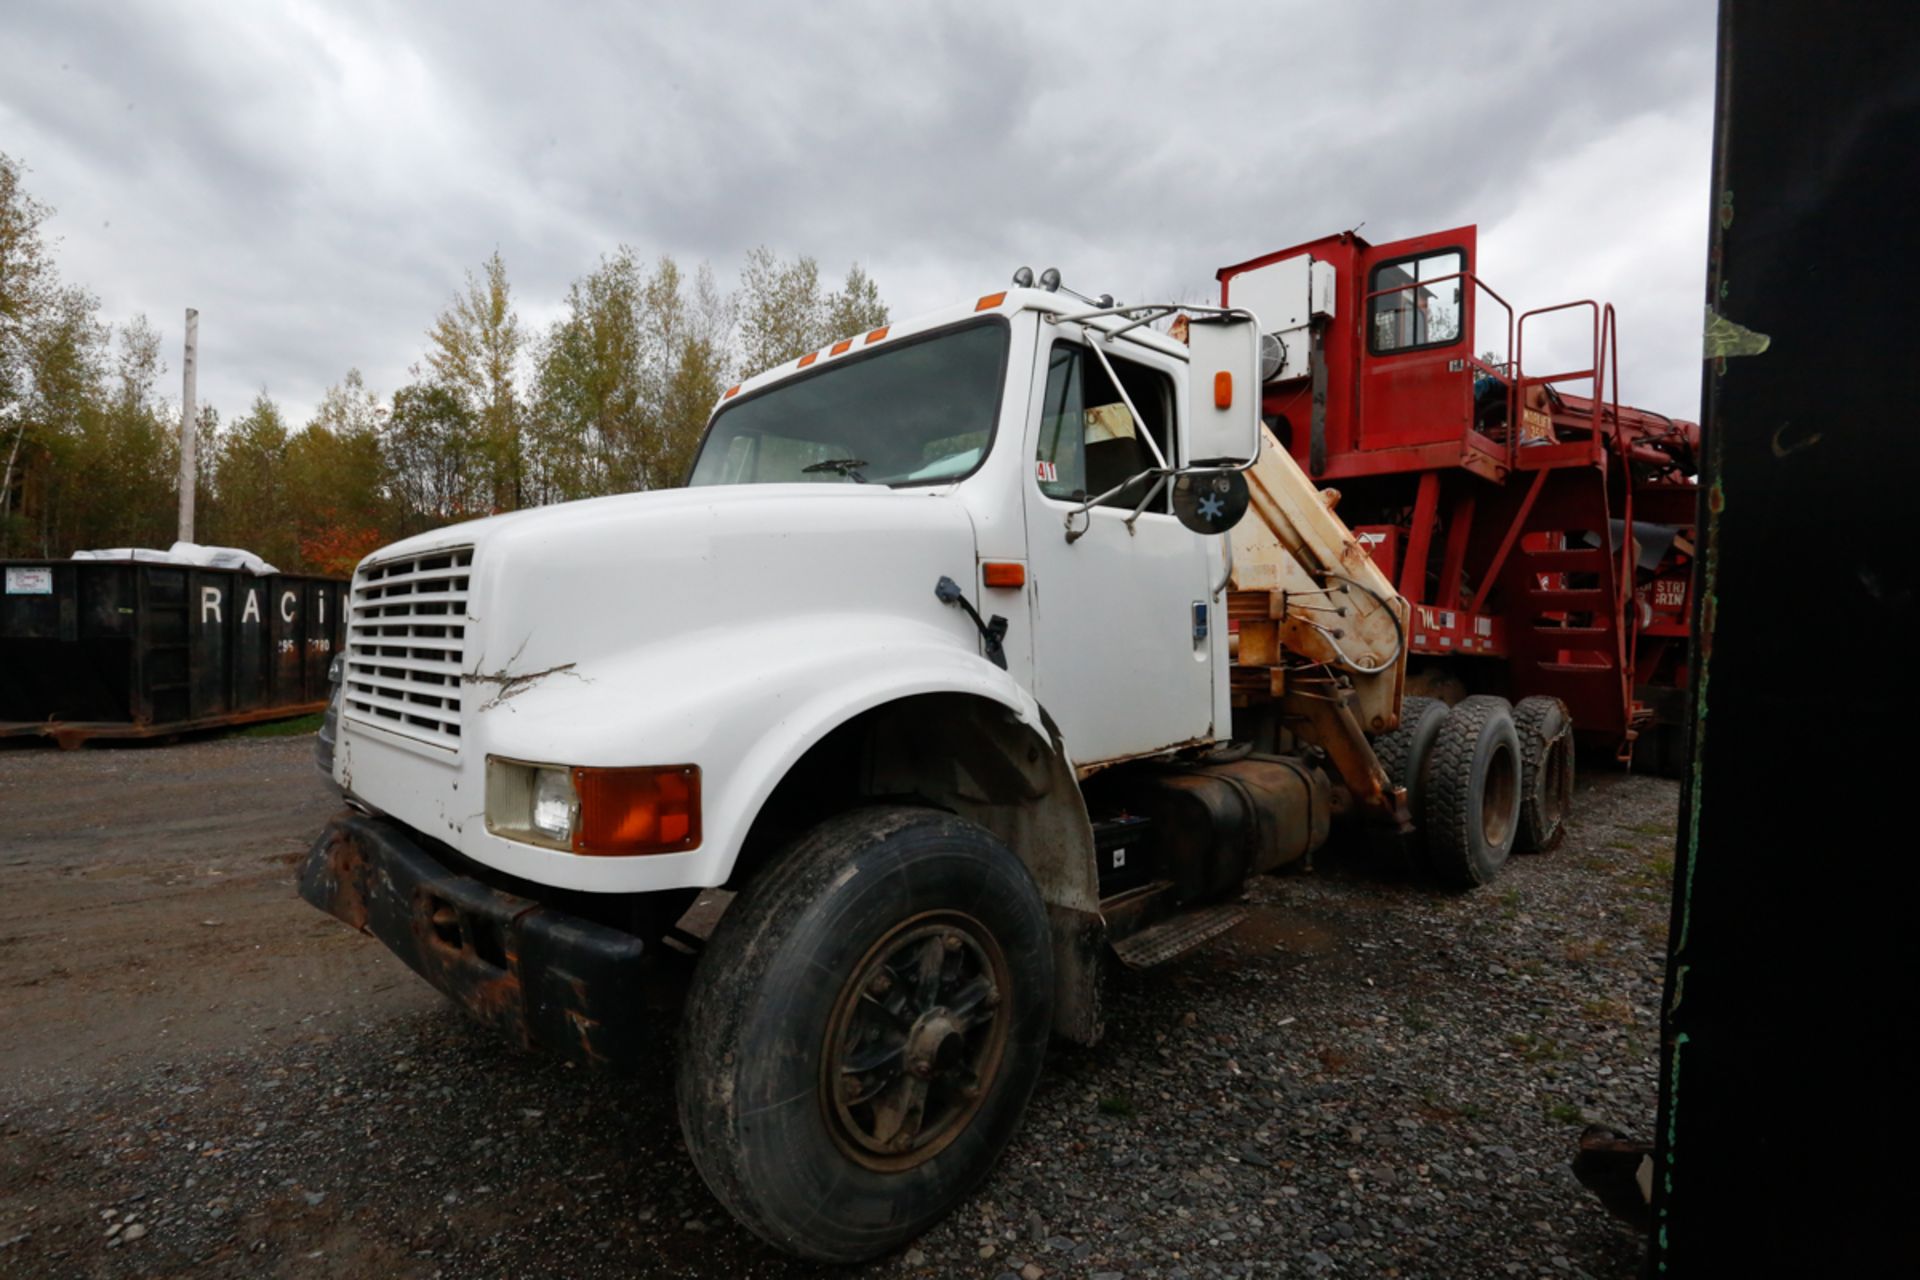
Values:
[(566, 585)]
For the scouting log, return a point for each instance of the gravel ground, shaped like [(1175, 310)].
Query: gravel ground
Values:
[(1366, 1078)]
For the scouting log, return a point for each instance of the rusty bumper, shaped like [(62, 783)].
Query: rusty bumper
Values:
[(544, 979)]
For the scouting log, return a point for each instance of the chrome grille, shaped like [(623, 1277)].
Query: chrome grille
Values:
[(405, 636)]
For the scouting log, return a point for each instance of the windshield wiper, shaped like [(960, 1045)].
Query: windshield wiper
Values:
[(848, 467)]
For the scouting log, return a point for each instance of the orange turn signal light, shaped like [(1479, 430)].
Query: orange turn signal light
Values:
[(1223, 390), (1003, 573), (990, 301), (631, 811)]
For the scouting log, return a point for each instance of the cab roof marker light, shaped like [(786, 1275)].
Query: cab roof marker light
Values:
[(732, 391), (989, 301), (840, 347), (877, 334), (808, 359)]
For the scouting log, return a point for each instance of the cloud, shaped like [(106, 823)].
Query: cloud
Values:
[(316, 178)]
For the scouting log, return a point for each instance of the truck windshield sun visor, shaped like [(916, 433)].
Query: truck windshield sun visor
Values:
[(918, 412)]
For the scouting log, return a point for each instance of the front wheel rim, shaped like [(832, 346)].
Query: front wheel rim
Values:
[(915, 1040)]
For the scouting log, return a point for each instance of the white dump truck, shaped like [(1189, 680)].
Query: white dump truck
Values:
[(979, 651)]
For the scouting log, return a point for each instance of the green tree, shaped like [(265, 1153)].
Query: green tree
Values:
[(433, 457), (116, 473), (856, 308), (336, 479), (25, 273), (626, 378), (24, 289), (474, 350), (784, 314), (250, 484), (64, 360), (588, 398)]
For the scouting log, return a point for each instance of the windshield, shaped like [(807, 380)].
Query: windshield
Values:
[(918, 413)]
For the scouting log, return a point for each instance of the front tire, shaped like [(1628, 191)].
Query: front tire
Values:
[(864, 1029)]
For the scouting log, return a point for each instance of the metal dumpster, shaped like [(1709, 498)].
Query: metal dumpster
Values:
[(134, 649)]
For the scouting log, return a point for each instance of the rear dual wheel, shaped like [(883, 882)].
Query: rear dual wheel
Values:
[(864, 1030), (1472, 804), (1405, 755), (1546, 772)]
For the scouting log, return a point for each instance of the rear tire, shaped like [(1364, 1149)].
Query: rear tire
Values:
[(1405, 755), (1546, 772), (1473, 792), (864, 1029)]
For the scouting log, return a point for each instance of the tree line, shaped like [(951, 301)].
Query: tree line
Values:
[(611, 398)]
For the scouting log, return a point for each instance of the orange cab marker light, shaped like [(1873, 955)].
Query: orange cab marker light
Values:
[(1223, 390), (878, 334), (1003, 573), (840, 347), (732, 391), (990, 301), (634, 811), (809, 358)]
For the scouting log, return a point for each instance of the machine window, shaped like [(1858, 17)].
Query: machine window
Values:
[(1089, 440), (918, 412), (1414, 313)]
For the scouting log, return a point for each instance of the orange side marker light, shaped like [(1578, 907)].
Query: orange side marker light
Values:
[(633, 811)]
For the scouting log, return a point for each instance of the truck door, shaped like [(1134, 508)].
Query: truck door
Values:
[(1122, 651), (1416, 331)]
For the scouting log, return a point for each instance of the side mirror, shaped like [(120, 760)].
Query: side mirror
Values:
[(1210, 501), (1223, 391)]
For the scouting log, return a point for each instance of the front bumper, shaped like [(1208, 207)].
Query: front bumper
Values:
[(543, 978)]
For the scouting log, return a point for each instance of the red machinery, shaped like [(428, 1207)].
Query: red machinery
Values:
[(1543, 539)]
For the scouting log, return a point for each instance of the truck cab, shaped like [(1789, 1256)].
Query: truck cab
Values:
[(924, 683)]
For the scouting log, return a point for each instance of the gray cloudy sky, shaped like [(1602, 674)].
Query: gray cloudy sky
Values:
[(316, 177)]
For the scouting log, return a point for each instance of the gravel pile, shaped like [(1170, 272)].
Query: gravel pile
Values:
[(1367, 1078)]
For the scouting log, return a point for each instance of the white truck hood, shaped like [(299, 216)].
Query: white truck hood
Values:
[(579, 581), (711, 626)]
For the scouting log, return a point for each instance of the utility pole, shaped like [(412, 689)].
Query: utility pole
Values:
[(189, 425)]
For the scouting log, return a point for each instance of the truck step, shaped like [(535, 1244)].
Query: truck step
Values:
[(1162, 942)]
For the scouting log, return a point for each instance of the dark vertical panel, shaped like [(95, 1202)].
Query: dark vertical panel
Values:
[(209, 619), (166, 643), (1790, 1022), (284, 614), (316, 647), (252, 643)]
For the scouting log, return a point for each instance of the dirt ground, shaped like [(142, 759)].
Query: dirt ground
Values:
[(200, 1075), (149, 909)]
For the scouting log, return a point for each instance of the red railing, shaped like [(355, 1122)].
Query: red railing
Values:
[(1603, 407)]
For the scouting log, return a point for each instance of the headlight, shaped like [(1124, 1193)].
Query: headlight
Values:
[(611, 812), (553, 804)]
